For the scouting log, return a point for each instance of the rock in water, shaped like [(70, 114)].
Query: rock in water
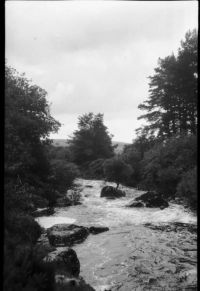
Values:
[(152, 199), (71, 261), (111, 192), (147, 196), (66, 234), (135, 204), (71, 284), (66, 262), (67, 270), (157, 202), (98, 229)]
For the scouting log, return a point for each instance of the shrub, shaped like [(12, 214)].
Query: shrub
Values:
[(63, 175), (23, 227), (25, 270), (167, 181)]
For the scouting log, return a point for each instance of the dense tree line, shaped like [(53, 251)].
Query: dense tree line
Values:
[(31, 181)]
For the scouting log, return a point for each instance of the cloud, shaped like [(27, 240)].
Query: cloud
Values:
[(95, 56)]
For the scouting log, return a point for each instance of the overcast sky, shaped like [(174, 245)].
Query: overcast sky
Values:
[(95, 56)]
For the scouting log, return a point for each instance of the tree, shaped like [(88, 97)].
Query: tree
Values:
[(115, 169), (27, 125), (91, 141), (172, 103)]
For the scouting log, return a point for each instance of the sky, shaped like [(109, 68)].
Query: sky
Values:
[(95, 56)]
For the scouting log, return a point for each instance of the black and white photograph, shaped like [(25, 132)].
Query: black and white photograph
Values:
[(100, 145)]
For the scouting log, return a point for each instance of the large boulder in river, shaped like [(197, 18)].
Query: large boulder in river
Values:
[(134, 203), (66, 262), (152, 199), (157, 202), (67, 270), (111, 192), (66, 234), (64, 283)]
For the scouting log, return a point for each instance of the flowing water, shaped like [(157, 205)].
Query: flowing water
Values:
[(145, 248)]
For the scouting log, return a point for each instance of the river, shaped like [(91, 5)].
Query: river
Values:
[(144, 249)]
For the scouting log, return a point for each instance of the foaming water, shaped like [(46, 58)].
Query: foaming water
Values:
[(131, 256), (114, 213), (48, 221)]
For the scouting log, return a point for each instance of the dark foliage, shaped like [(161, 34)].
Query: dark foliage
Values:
[(116, 170), (95, 169), (27, 178), (172, 103), (187, 187), (63, 175), (91, 141), (165, 164)]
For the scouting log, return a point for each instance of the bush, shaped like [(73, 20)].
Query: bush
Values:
[(187, 188), (23, 227), (25, 271), (167, 181), (63, 175)]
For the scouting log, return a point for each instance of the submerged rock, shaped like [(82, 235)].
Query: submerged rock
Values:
[(98, 229), (111, 192), (66, 234), (152, 199)]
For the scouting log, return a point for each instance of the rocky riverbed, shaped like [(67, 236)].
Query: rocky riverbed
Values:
[(144, 248)]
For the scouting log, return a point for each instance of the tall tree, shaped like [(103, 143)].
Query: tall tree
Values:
[(91, 141), (172, 103), (27, 126)]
